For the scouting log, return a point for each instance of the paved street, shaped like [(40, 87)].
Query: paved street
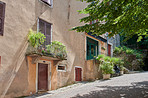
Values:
[(126, 86)]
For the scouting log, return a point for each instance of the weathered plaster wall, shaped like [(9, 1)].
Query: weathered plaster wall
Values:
[(19, 18), (63, 17), (92, 71), (20, 83), (22, 16), (32, 78)]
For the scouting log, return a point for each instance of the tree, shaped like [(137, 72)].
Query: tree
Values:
[(131, 43), (127, 17)]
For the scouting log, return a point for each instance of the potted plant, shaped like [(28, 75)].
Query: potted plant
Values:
[(57, 49), (99, 58), (36, 39), (107, 69)]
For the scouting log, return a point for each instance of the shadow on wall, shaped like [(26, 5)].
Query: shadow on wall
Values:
[(137, 90)]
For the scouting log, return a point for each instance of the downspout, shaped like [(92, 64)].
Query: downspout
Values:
[(38, 25), (107, 41)]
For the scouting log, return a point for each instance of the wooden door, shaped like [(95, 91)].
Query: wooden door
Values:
[(42, 77), (78, 74), (109, 50)]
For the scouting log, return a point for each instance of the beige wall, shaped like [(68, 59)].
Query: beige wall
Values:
[(22, 15), (92, 70), (19, 18)]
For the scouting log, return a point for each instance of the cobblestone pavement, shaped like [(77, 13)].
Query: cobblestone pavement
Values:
[(126, 86)]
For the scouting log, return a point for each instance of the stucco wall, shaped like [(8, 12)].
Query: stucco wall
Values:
[(19, 18), (22, 15), (92, 70), (20, 83), (32, 75)]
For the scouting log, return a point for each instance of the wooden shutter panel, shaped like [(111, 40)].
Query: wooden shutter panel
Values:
[(45, 28), (48, 33), (2, 16)]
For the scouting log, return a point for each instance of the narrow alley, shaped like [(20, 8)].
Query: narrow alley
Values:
[(126, 86)]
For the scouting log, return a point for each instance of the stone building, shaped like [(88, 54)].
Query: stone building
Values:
[(24, 75)]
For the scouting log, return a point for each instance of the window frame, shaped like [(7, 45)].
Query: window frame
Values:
[(45, 23), (96, 48), (62, 65)]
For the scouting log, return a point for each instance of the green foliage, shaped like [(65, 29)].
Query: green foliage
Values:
[(107, 68), (101, 56), (127, 17), (57, 49), (120, 63), (107, 58), (111, 60), (117, 50), (128, 51), (114, 60), (36, 39), (103, 48), (131, 59)]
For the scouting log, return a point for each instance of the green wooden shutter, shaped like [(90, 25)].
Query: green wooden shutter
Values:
[(91, 48)]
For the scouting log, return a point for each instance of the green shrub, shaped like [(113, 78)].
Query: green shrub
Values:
[(107, 68), (101, 56), (36, 39), (129, 55), (121, 64), (57, 49), (117, 50), (129, 51), (107, 58)]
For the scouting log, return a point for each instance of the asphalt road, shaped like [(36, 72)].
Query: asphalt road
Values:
[(126, 86)]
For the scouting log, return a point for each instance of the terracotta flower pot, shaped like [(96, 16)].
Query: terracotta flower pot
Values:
[(106, 76)]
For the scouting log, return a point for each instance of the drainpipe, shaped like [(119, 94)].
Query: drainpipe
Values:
[(106, 35), (38, 25)]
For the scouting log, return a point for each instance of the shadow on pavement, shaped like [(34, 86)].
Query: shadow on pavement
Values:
[(37, 95), (137, 90)]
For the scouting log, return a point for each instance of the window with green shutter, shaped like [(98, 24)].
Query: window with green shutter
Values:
[(92, 48)]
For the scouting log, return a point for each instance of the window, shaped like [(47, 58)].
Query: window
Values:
[(49, 2), (92, 48), (45, 28), (2, 16), (61, 67)]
